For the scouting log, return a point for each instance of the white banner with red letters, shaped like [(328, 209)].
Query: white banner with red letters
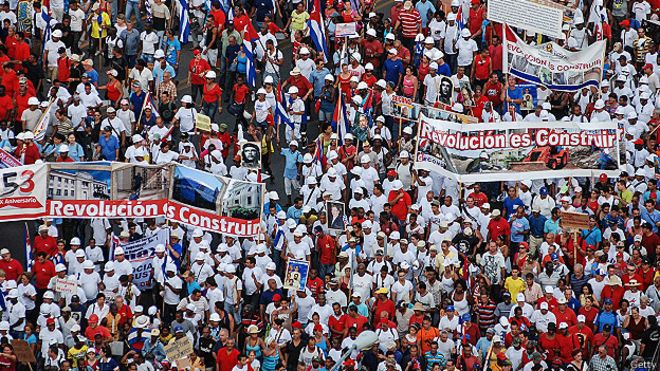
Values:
[(517, 150), (23, 192)]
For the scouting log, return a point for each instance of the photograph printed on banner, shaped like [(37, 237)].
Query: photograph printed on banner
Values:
[(137, 182), (446, 91), (336, 215), (251, 155), (80, 181), (242, 200)]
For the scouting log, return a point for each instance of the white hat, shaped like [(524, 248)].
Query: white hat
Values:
[(329, 77), (198, 232), (332, 172), (407, 130), (390, 36), (271, 266), (303, 50), (295, 71), (332, 155), (393, 51), (395, 235), (404, 154), (308, 158), (268, 80), (356, 56), (49, 295), (186, 99), (281, 214), (273, 195), (354, 79), (599, 104), (380, 83), (33, 101), (109, 267), (371, 32), (544, 305), (139, 309), (142, 322), (433, 66), (293, 90), (465, 32), (57, 33), (644, 95), (214, 317), (231, 268), (362, 86), (13, 293), (87, 264), (160, 248), (563, 325), (159, 54), (60, 268), (429, 40), (451, 17), (210, 74), (119, 251), (200, 256), (632, 115), (365, 159), (4, 251), (581, 318)]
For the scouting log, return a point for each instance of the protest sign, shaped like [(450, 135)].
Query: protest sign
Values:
[(517, 151), (573, 220), (63, 285), (202, 122), (140, 253), (23, 352), (405, 109), (296, 274), (178, 348), (551, 65), (527, 15), (8, 160), (345, 29), (23, 192)]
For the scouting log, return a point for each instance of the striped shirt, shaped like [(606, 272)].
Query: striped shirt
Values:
[(486, 313), (432, 359), (410, 23)]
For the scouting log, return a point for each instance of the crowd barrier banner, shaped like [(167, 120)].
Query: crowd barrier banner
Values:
[(8, 160), (551, 65), (140, 253), (517, 151), (23, 192), (121, 190)]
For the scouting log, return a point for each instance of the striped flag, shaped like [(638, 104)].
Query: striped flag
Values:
[(47, 30), (184, 21), (317, 28), (281, 113), (147, 9), (249, 36), (459, 19), (42, 125), (29, 258), (340, 122), (149, 103)]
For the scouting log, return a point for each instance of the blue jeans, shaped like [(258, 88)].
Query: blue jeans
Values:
[(210, 109), (130, 8)]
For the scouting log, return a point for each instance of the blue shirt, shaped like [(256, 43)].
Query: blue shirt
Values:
[(593, 236), (536, 225), (294, 213), (76, 151), (171, 49), (317, 79), (393, 70), (519, 225), (93, 76), (292, 159), (108, 147), (444, 70), (137, 101), (423, 7), (651, 218), (607, 318), (515, 93), (551, 226), (512, 204)]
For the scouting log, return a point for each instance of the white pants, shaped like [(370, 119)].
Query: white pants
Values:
[(294, 133), (289, 183), (212, 57)]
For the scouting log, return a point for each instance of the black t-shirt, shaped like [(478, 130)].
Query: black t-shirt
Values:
[(206, 350), (293, 352), (465, 243), (650, 339), (120, 65)]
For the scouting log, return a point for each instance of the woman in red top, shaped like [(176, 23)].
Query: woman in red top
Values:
[(344, 81), (196, 72), (114, 89), (7, 359), (212, 96), (482, 68)]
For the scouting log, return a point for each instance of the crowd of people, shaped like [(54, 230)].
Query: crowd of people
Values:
[(448, 276)]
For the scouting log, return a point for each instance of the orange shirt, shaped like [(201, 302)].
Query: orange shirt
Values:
[(425, 337)]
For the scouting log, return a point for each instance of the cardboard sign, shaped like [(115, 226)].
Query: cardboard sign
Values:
[(574, 220), (203, 122), (178, 348), (63, 285), (345, 29), (23, 351)]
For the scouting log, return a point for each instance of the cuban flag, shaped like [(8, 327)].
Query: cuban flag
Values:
[(184, 21), (29, 258), (48, 29), (149, 103), (250, 35), (147, 9), (340, 120), (42, 124), (281, 113), (459, 19), (317, 28)]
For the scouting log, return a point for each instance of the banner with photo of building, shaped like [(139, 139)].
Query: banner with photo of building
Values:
[(517, 151), (551, 65)]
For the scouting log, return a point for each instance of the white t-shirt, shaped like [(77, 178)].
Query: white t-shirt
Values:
[(52, 47), (77, 18), (466, 50), (262, 110)]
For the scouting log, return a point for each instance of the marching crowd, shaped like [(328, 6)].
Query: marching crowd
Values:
[(449, 276)]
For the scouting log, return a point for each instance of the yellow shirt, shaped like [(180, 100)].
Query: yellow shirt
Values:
[(514, 286), (75, 355), (95, 24), (298, 20)]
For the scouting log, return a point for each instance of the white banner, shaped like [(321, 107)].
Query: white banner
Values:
[(140, 253), (552, 66), (527, 15), (23, 192)]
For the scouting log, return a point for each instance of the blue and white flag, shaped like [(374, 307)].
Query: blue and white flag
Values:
[(250, 66), (47, 30), (317, 28), (184, 21), (281, 110)]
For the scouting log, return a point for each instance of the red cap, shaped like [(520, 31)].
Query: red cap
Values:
[(50, 321), (277, 297), (296, 324), (93, 318), (624, 23), (475, 2), (349, 363), (197, 52), (648, 65), (603, 177), (318, 327), (392, 173), (638, 141)]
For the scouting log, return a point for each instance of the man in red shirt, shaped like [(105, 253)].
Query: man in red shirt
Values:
[(482, 68), (498, 226), (476, 18), (493, 89), (382, 305), (43, 270), (479, 197), (44, 243), (95, 329), (399, 199), (337, 322), (354, 320), (611, 342), (327, 248), (565, 314), (227, 357), (12, 267), (298, 80), (373, 48), (410, 23), (28, 153)]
